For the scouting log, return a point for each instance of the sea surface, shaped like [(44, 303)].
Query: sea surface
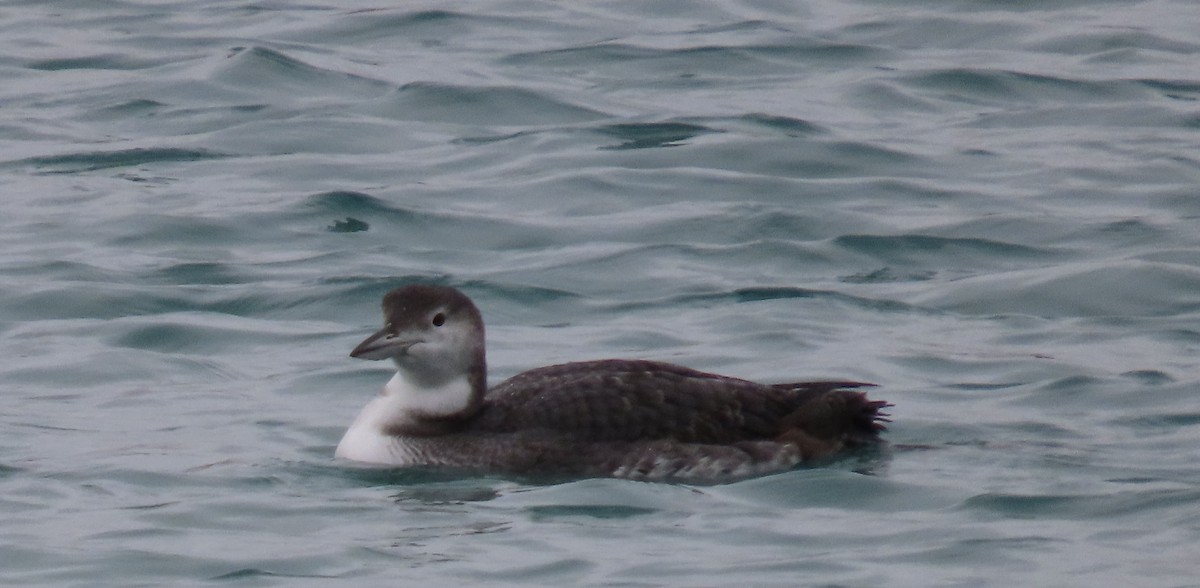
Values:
[(990, 208)]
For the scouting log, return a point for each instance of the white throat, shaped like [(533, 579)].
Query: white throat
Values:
[(402, 401), (442, 400)]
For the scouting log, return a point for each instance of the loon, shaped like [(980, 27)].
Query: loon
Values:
[(636, 419)]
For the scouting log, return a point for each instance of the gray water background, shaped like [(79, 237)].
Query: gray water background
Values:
[(990, 208)]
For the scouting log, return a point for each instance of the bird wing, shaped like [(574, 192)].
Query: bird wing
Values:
[(631, 400)]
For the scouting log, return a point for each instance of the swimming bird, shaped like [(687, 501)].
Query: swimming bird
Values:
[(621, 418)]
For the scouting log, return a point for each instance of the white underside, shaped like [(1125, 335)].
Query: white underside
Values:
[(366, 440)]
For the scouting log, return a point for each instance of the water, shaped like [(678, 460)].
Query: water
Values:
[(989, 208)]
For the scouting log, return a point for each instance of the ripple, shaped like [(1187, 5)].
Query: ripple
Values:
[(724, 60), (489, 105), (108, 61), (340, 202), (70, 163), (652, 135), (790, 126), (1099, 43), (1010, 86), (263, 70), (196, 273), (1084, 290), (1074, 506), (907, 249), (1182, 90)]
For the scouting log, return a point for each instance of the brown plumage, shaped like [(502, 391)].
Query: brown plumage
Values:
[(625, 418), (630, 400)]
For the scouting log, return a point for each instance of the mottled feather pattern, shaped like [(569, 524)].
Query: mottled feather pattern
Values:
[(630, 400), (542, 453), (626, 418)]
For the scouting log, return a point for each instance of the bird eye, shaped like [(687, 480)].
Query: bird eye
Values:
[(439, 319)]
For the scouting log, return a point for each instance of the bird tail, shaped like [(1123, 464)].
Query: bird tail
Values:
[(833, 417)]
